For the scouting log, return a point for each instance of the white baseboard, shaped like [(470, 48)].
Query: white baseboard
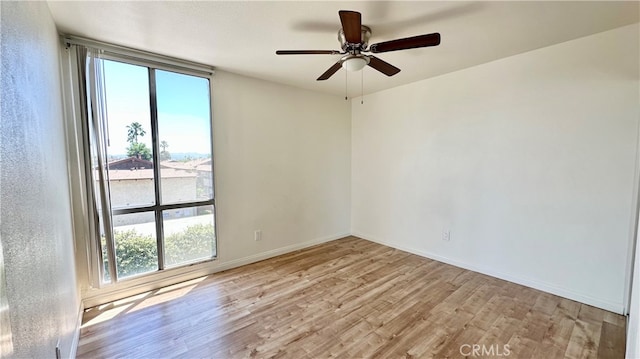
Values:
[(76, 334), (527, 282)]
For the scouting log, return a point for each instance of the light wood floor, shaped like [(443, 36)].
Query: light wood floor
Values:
[(353, 299)]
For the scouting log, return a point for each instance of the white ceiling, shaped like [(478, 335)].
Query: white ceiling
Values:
[(242, 37)]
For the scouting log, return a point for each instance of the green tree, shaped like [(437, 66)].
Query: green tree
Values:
[(139, 150)]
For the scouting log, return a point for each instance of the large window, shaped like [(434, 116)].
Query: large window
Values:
[(149, 130)]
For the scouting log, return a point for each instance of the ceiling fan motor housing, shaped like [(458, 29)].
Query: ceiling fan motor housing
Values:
[(355, 48)]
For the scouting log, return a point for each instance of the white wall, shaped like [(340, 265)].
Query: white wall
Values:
[(35, 215), (528, 160), (282, 166)]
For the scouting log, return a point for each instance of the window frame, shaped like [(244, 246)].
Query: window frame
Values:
[(158, 207), (95, 292)]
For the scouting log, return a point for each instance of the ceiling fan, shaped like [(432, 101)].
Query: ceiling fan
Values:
[(354, 40)]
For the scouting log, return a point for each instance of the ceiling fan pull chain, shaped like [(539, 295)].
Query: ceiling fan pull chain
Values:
[(362, 87), (345, 85)]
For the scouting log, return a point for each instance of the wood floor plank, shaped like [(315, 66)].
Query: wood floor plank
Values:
[(546, 303), (348, 298), (569, 308), (584, 340), (615, 319), (557, 335), (503, 329), (612, 341)]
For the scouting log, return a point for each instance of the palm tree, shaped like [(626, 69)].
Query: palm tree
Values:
[(164, 154), (133, 131), (136, 149)]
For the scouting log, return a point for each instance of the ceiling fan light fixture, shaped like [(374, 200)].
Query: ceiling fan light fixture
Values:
[(354, 63)]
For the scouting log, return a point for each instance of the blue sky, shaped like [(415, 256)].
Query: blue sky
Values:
[(183, 108)]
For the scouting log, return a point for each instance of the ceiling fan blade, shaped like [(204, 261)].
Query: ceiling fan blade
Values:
[(351, 25), (383, 66), (406, 43), (332, 70), (307, 52)]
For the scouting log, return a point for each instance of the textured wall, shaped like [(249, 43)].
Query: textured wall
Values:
[(35, 214)]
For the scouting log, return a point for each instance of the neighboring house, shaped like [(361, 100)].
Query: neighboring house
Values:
[(202, 167), (130, 163), (131, 183)]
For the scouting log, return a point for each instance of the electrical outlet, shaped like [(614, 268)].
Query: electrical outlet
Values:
[(257, 235), (446, 235)]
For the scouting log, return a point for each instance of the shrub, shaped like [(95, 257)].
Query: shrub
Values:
[(195, 242), (137, 253)]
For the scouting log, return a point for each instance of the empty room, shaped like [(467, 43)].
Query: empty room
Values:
[(366, 179)]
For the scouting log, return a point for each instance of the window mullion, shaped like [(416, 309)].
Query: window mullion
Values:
[(162, 207), (156, 166)]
